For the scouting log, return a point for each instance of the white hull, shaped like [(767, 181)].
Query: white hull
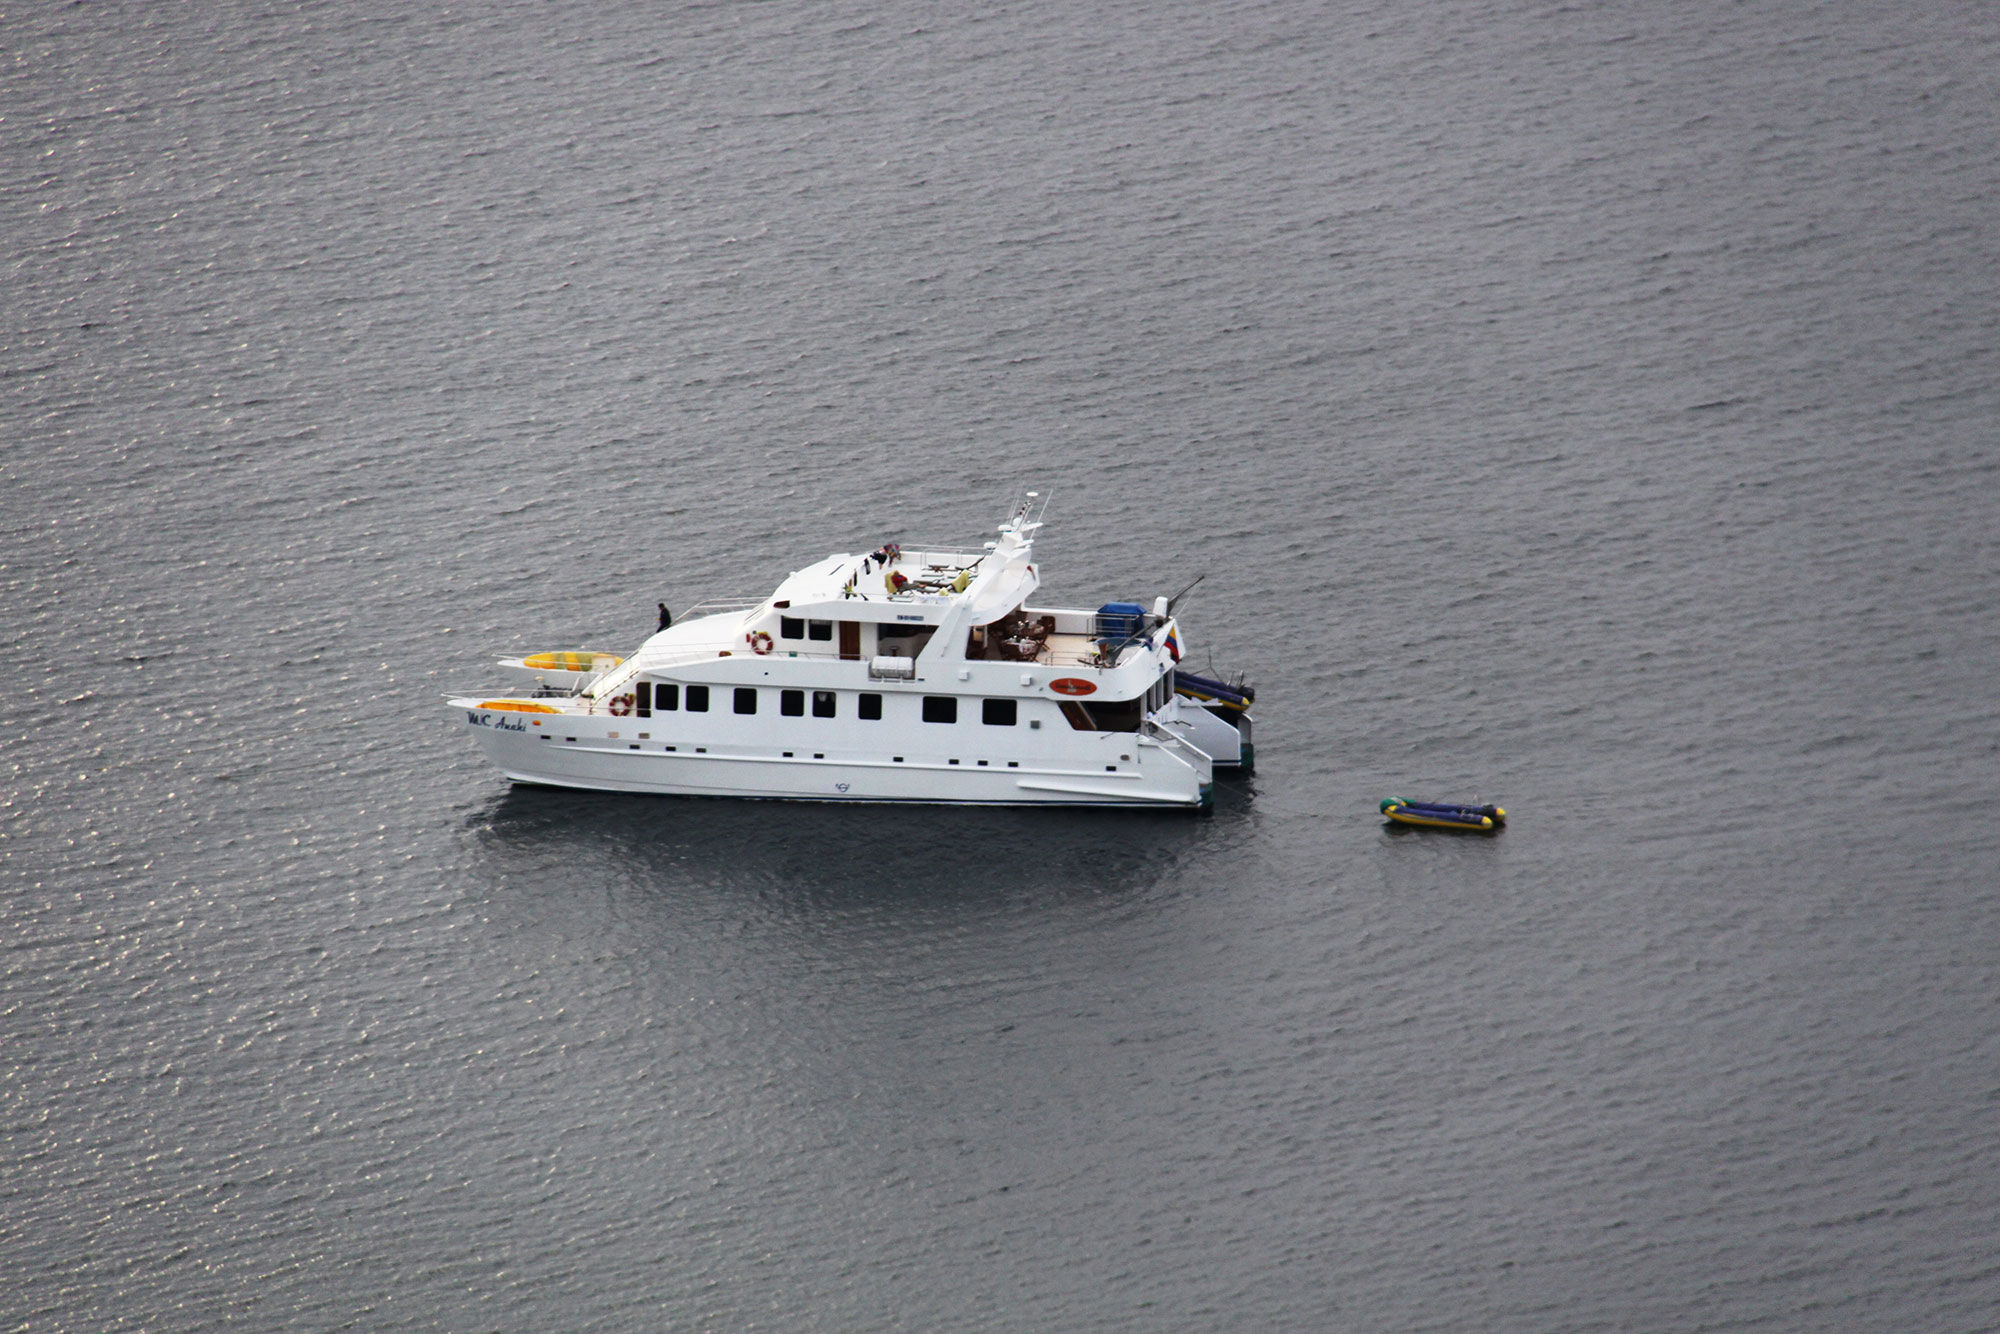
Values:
[(1139, 771)]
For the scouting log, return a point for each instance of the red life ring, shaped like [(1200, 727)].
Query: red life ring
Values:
[(760, 642), (621, 705)]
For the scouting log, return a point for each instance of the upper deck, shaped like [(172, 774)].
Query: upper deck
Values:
[(912, 586), (906, 613)]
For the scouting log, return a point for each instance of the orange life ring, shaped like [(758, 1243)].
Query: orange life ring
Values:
[(760, 642), (621, 705)]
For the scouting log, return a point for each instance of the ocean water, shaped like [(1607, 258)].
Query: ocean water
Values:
[(1585, 407)]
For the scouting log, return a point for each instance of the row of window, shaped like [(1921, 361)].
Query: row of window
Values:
[(797, 627), (818, 755), (667, 697), (992, 712)]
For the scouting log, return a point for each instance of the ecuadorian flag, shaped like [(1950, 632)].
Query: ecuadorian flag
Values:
[(1173, 646)]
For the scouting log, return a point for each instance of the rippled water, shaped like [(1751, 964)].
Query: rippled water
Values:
[(1589, 409)]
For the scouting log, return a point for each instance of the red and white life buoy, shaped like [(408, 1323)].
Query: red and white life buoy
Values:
[(760, 642), (621, 705)]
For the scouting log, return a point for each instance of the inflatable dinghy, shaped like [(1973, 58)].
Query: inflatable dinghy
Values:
[(1209, 691), (1444, 815)]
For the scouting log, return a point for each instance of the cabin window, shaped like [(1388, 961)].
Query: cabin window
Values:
[(1115, 716), (998, 712), (697, 699), (940, 709), (792, 703), (902, 641), (868, 706), (746, 699), (666, 697), (819, 630), (823, 703), (791, 627), (642, 699)]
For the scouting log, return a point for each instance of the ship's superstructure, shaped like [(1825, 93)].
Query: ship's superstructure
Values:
[(891, 675)]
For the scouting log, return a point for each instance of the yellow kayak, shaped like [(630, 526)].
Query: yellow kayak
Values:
[(583, 660)]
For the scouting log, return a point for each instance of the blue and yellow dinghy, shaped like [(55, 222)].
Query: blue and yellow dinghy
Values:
[(1444, 815), (1220, 694)]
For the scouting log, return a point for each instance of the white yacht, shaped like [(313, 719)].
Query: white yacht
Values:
[(892, 675)]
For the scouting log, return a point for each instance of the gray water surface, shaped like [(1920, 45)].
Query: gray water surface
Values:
[(1585, 408)]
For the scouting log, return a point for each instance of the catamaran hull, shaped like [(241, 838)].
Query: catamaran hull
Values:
[(1226, 739)]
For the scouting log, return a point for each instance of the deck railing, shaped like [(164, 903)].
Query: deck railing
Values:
[(717, 607)]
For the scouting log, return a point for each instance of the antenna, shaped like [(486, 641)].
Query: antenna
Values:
[(1025, 514), (1173, 601)]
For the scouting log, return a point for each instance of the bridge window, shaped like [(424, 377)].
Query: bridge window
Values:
[(869, 706), (746, 699), (791, 627), (823, 703), (792, 703), (819, 630), (666, 697), (697, 699)]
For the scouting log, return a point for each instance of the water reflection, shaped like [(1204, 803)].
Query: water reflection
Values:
[(762, 915), (848, 856)]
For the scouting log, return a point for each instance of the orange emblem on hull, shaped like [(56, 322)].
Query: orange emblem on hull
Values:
[(1073, 685)]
